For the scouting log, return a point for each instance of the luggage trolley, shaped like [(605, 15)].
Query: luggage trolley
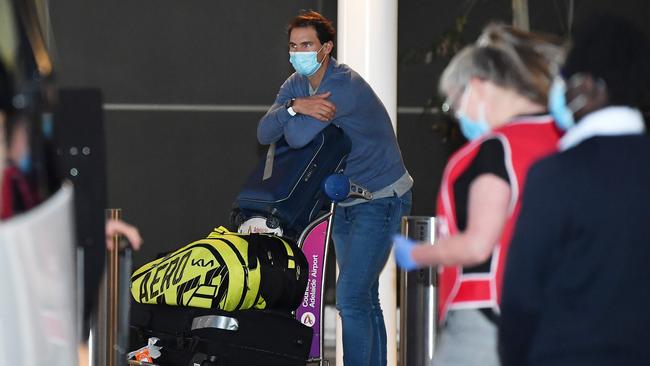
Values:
[(314, 241)]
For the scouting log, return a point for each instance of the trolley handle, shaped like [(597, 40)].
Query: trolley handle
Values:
[(338, 187)]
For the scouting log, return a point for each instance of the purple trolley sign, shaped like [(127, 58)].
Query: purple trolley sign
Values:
[(315, 243)]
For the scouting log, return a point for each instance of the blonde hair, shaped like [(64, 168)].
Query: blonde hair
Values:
[(522, 61)]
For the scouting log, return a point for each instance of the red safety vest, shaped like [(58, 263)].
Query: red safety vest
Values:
[(524, 140)]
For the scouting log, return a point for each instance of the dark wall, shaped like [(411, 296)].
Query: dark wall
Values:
[(426, 139), (552, 16), (198, 52)]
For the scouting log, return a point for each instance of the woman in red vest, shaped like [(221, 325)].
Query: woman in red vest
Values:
[(497, 89)]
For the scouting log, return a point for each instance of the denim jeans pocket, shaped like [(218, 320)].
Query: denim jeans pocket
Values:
[(398, 207)]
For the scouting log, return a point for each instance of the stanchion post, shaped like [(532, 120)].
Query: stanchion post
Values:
[(418, 297), (113, 275)]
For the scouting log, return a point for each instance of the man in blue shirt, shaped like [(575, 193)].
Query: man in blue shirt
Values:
[(322, 91)]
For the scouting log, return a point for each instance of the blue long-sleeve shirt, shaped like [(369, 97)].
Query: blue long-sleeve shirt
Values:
[(375, 160)]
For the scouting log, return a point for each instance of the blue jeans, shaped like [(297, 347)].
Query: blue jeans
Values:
[(363, 241)]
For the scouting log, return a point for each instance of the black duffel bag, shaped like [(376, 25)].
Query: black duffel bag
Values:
[(192, 336)]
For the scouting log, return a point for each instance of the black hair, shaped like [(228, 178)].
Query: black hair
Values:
[(6, 91), (614, 50), (323, 26)]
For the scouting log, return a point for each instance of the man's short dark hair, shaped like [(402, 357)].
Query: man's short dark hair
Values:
[(323, 26), (616, 51)]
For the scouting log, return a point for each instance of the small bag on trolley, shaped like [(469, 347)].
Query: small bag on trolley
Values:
[(226, 271), (285, 187)]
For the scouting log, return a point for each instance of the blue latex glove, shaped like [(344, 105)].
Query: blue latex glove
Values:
[(403, 247)]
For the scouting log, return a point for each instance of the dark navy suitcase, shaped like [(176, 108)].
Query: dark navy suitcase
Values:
[(286, 190)]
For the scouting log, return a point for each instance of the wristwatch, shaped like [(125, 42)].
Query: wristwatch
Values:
[(289, 106)]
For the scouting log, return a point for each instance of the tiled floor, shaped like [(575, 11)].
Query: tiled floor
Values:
[(330, 335)]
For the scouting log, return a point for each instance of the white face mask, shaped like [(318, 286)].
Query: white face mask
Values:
[(305, 63)]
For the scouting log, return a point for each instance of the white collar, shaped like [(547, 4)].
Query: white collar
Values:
[(610, 121)]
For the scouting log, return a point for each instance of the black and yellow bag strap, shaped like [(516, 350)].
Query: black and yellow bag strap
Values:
[(244, 264), (218, 233)]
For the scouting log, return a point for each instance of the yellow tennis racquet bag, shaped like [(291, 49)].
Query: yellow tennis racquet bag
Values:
[(226, 271)]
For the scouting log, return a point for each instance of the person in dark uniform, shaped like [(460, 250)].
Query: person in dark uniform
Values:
[(576, 283)]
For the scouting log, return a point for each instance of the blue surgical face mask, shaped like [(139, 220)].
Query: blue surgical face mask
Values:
[(25, 164), (305, 63), (472, 129), (557, 104)]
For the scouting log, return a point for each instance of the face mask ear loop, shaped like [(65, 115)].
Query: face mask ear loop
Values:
[(321, 61), (317, 52), (463, 102), (575, 80), (580, 100), (601, 85), (481, 113), (577, 103)]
